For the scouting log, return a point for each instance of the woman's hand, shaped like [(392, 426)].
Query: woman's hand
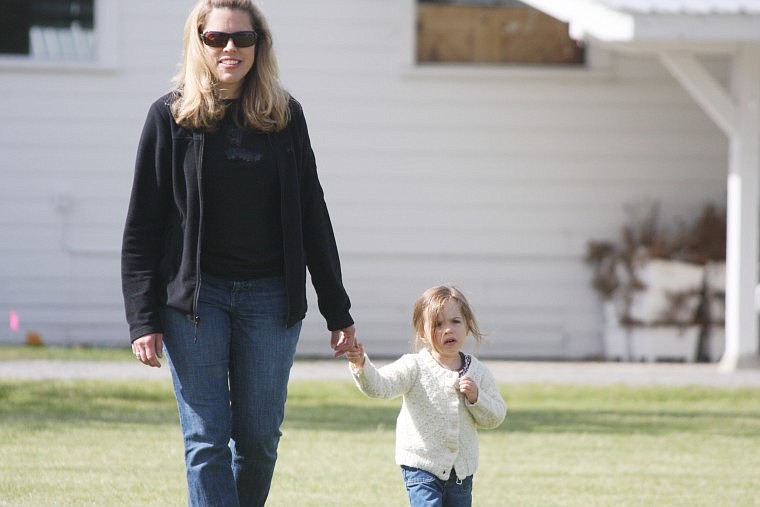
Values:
[(149, 348), (356, 355), (342, 340), (469, 388)]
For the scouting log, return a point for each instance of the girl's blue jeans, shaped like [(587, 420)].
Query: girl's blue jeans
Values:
[(230, 375), (427, 490)]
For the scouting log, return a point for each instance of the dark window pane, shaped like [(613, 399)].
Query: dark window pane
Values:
[(61, 13), (19, 16), (14, 25)]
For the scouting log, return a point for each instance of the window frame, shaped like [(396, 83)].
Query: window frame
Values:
[(106, 31)]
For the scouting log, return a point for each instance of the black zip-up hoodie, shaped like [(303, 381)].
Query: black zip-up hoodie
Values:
[(160, 259)]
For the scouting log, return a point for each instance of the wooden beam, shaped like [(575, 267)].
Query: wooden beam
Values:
[(703, 87)]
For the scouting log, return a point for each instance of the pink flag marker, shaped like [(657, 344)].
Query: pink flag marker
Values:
[(13, 320)]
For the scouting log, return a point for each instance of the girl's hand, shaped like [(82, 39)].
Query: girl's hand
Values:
[(342, 340), (469, 389), (356, 355)]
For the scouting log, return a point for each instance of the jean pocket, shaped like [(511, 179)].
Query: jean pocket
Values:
[(414, 476), (465, 486)]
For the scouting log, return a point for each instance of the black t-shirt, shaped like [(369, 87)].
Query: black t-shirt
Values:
[(242, 228)]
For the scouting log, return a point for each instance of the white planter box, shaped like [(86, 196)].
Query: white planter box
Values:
[(653, 306), (664, 343), (671, 276), (664, 280), (715, 277), (615, 337), (715, 345), (616, 346), (715, 291), (716, 308)]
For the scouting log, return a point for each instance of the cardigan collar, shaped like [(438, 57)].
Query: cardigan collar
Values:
[(435, 367)]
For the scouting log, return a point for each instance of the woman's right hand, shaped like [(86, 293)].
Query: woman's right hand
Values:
[(149, 348), (355, 355)]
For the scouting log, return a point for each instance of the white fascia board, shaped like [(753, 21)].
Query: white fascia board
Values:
[(592, 19), (589, 18), (715, 28)]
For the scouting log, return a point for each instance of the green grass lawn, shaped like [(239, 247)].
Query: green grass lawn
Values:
[(95, 443), (16, 352)]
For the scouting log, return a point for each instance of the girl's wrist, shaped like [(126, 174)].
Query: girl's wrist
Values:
[(357, 365)]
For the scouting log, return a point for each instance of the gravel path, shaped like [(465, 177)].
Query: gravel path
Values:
[(507, 372)]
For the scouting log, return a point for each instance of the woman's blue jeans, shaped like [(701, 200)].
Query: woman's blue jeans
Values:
[(230, 375), (427, 490)]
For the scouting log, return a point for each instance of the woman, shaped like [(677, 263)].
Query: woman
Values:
[(226, 215)]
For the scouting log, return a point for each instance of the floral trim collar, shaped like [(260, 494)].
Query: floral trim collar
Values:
[(466, 360)]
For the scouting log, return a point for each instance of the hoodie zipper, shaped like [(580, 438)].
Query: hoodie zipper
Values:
[(283, 221), (196, 318)]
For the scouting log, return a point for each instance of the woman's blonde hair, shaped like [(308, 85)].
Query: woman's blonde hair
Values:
[(428, 309), (196, 104)]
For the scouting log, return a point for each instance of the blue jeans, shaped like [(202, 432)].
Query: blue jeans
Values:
[(427, 490), (230, 377)]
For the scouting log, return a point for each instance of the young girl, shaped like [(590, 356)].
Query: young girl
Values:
[(447, 396)]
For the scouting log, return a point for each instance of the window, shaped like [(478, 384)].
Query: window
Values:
[(492, 31), (49, 30)]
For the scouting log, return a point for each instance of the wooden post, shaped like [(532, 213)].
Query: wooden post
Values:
[(742, 247), (738, 115)]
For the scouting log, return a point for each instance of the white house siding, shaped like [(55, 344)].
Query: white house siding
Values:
[(67, 145), (490, 178)]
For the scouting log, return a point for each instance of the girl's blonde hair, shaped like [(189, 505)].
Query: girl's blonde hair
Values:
[(428, 310), (196, 104)]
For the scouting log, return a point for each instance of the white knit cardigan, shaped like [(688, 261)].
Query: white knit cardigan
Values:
[(436, 429)]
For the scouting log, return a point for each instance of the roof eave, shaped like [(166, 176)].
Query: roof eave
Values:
[(588, 18), (672, 28), (591, 19)]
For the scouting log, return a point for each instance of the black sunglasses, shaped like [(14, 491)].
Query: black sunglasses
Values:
[(220, 39)]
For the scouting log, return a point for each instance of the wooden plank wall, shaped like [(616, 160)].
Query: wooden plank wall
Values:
[(490, 178), (492, 34)]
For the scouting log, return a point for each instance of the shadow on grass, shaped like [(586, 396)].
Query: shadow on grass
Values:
[(45, 403), (554, 409), (341, 418), (338, 406), (344, 418), (628, 422)]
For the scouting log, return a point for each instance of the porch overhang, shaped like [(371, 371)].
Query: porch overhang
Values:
[(633, 21), (677, 32)]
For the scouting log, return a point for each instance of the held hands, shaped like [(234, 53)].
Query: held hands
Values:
[(355, 356), (149, 348), (342, 340), (469, 389)]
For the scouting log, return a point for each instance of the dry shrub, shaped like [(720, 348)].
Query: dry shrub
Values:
[(644, 236)]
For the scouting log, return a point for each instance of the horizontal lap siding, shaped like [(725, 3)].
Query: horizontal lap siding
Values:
[(494, 181), (68, 141), (495, 184)]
